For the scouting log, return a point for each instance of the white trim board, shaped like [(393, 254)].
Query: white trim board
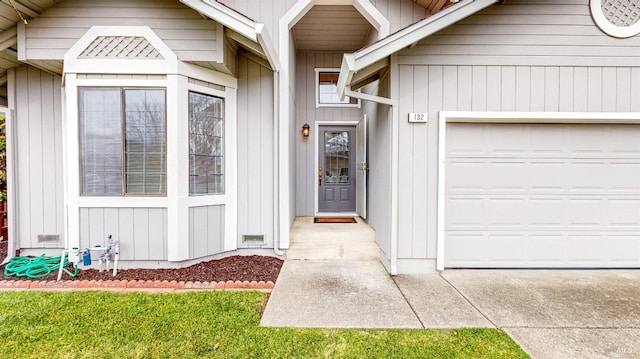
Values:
[(370, 55), (295, 13), (507, 117)]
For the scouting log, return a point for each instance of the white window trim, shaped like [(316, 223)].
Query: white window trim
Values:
[(317, 86), (507, 117), (177, 200), (605, 25)]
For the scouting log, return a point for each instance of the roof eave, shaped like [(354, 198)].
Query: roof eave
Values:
[(253, 31), (393, 43)]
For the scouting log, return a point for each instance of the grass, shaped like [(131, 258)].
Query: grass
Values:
[(207, 325)]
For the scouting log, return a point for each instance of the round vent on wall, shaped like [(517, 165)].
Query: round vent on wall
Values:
[(618, 18)]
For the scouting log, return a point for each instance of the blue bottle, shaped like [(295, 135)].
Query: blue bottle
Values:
[(86, 257)]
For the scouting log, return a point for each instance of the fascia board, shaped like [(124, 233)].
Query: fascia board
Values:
[(267, 45), (227, 17), (418, 31)]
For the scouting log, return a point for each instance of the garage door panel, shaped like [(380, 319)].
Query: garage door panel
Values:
[(540, 195)]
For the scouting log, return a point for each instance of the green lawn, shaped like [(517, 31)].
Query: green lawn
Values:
[(206, 324)]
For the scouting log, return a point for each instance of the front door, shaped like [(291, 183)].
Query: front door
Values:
[(336, 169)]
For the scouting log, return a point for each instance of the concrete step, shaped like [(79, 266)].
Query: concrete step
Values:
[(350, 241), (354, 252)]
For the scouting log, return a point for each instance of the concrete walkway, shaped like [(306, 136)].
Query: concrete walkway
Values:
[(551, 314)]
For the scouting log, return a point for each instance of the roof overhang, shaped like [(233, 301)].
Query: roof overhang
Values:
[(364, 66), (252, 35)]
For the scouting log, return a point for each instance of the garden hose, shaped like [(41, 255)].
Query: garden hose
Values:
[(36, 268)]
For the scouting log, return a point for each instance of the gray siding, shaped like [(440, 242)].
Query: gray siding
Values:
[(549, 32), (256, 159), (182, 29), (142, 232), (379, 157), (206, 231), (584, 71), (400, 13), (306, 112), (39, 185)]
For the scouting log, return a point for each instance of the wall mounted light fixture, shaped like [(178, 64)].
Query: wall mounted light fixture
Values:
[(305, 130)]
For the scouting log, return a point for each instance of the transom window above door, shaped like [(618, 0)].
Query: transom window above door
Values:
[(327, 90)]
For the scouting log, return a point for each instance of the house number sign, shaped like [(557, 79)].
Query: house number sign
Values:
[(419, 117)]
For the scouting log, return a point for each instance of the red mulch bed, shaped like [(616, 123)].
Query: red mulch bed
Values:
[(242, 268)]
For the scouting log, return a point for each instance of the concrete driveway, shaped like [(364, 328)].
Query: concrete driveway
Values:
[(550, 313), (558, 314)]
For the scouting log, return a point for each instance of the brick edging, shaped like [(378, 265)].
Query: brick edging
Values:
[(133, 285)]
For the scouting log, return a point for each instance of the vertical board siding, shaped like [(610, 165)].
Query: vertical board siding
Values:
[(190, 36), (519, 32), (517, 56), (379, 157), (38, 117), (141, 231), (400, 13), (306, 112), (438, 88), (206, 231), (256, 158)]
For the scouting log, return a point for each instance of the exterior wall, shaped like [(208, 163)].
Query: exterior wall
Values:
[(379, 158), (206, 231), (306, 112), (190, 36), (142, 232), (400, 13), (39, 180), (486, 71), (256, 158)]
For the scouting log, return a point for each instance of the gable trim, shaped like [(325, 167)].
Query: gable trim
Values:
[(372, 54), (253, 31)]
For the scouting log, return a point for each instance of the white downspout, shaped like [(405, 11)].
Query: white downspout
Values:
[(276, 194)]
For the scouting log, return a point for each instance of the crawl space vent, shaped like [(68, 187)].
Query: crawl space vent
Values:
[(253, 240), (48, 238)]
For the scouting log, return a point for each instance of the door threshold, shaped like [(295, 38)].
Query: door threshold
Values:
[(337, 214)]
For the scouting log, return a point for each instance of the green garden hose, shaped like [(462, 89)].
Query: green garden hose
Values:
[(36, 268)]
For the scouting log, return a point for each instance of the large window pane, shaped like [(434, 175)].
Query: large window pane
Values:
[(101, 141), (122, 154), (206, 144), (145, 141), (328, 89)]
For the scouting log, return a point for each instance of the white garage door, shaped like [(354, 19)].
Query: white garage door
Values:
[(542, 195)]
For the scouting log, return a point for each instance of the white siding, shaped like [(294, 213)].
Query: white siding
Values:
[(39, 185), (306, 112), (142, 232), (206, 231), (182, 29), (256, 159)]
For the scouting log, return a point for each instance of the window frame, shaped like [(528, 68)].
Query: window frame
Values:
[(317, 90), (223, 136), (123, 124)]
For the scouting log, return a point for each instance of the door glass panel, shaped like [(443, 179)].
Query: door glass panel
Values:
[(336, 161)]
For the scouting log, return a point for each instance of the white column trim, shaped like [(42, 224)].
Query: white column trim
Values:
[(71, 162)]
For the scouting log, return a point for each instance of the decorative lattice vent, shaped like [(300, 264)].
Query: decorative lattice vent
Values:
[(621, 13), (121, 47)]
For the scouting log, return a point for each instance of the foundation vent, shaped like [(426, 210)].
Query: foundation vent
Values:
[(253, 240), (48, 238)]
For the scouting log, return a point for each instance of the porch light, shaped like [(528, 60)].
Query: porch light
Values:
[(305, 130)]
